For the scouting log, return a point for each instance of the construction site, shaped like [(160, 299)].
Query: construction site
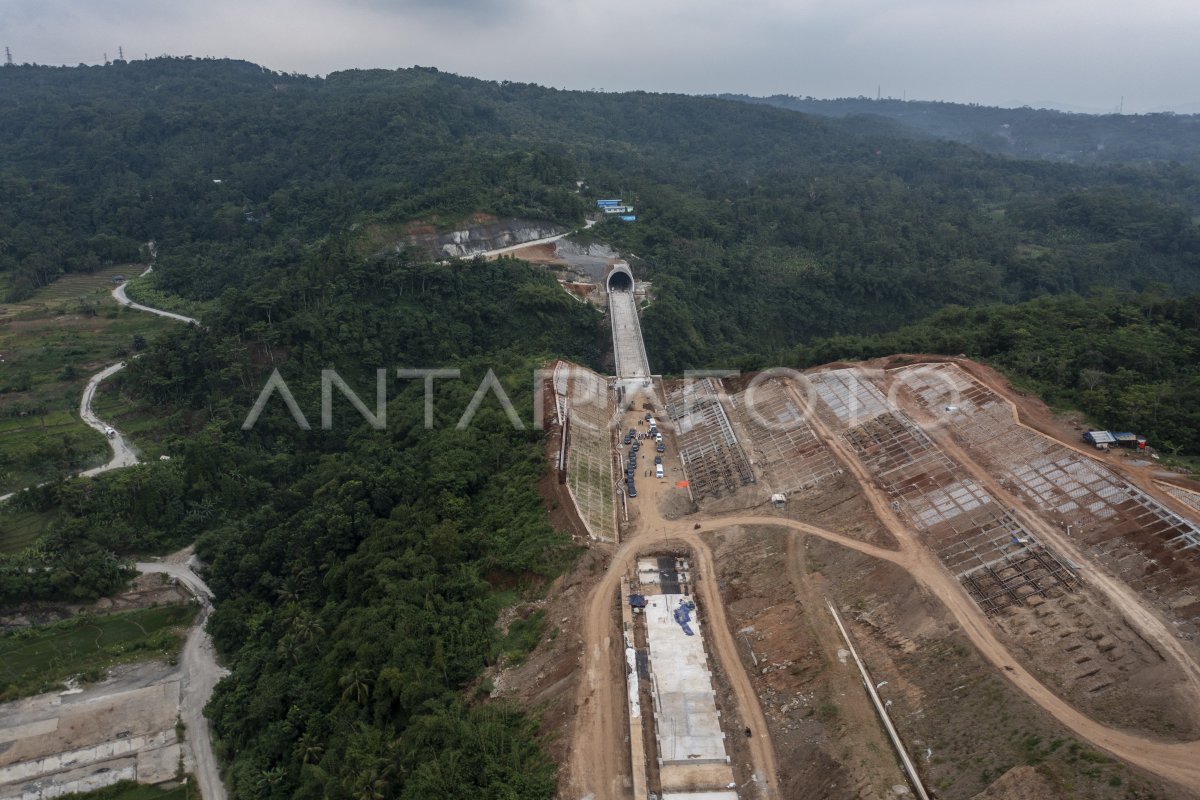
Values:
[(907, 514), (82, 740), (682, 742)]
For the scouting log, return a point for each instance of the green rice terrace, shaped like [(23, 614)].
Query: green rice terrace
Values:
[(50, 345), (38, 659)]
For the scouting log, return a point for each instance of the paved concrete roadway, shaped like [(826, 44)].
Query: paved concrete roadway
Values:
[(629, 352), (123, 455), (200, 670), (200, 673)]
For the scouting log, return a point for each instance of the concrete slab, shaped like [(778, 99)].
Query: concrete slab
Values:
[(57, 744), (629, 352), (687, 723), (86, 779), (158, 765)]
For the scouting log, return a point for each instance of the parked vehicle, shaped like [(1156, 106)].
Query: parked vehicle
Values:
[(658, 471)]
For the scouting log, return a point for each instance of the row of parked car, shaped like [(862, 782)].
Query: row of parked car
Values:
[(634, 441)]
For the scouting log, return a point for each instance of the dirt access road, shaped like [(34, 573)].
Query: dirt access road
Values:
[(1177, 762), (200, 673), (512, 248), (599, 752)]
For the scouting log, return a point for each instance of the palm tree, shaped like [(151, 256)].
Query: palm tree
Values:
[(306, 628), (371, 782), (356, 685), (310, 748)]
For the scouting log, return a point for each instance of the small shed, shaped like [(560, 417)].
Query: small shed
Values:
[(1099, 437), (1126, 439)]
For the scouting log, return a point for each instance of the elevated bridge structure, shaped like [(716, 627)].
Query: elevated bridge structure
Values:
[(629, 351)]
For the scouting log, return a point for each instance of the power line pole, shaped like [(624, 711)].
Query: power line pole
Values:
[(120, 53), (8, 62)]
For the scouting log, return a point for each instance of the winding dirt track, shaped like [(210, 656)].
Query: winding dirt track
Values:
[(200, 674), (599, 753)]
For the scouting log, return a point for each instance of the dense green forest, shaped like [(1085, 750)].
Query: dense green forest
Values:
[(360, 572), (1022, 132), (733, 199)]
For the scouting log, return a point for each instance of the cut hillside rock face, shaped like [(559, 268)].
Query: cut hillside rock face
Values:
[(475, 239)]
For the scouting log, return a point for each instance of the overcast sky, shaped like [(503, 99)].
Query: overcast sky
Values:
[(1082, 55)]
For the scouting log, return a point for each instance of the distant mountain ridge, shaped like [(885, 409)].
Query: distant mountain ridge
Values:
[(1022, 132)]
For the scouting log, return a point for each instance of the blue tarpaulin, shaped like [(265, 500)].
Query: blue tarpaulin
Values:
[(683, 615)]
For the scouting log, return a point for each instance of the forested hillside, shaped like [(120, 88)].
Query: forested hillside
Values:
[(1023, 132), (359, 572), (873, 228)]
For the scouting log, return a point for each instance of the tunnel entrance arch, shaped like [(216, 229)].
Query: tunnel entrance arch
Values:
[(620, 279)]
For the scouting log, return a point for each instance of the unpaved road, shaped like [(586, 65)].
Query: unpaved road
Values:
[(1178, 762), (499, 251), (200, 673), (120, 296), (599, 752), (1148, 624), (200, 670), (1141, 617), (595, 765), (724, 645), (123, 455)]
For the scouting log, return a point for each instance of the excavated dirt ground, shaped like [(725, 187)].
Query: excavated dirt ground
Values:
[(825, 732), (1083, 648), (966, 727), (972, 733)]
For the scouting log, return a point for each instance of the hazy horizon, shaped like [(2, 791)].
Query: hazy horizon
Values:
[(1064, 54)]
